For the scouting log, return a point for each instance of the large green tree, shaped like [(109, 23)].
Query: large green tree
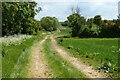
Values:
[(17, 17), (76, 22)]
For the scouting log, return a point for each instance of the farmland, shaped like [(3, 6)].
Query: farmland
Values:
[(61, 45), (94, 51)]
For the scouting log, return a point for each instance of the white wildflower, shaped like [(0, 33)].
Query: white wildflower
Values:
[(113, 51), (43, 33), (14, 40), (110, 64)]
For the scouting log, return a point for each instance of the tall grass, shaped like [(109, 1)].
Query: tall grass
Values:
[(59, 67)]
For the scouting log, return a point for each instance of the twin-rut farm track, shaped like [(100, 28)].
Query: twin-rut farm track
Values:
[(39, 68)]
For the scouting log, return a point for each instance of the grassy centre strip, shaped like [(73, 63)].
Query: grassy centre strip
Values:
[(59, 67)]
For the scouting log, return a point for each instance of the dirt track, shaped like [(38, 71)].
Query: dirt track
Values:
[(87, 70), (39, 69)]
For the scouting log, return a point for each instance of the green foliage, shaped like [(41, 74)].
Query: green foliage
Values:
[(110, 29), (76, 22), (80, 27), (49, 23), (71, 18), (97, 20), (90, 22), (65, 23), (104, 28), (86, 32), (36, 27), (18, 17), (109, 69)]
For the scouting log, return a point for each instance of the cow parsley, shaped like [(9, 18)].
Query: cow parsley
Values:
[(14, 40)]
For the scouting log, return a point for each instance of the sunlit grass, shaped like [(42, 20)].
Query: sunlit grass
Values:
[(100, 50), (16, 58), (59, 67)]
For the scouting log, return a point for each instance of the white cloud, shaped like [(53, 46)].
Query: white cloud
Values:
[(53, 9), (61, 10)]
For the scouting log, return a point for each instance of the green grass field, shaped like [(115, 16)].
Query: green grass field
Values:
[(59, 67), (102, 53), (16, 58)]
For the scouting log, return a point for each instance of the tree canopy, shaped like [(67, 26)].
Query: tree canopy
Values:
[(49, 23), (18, 17)]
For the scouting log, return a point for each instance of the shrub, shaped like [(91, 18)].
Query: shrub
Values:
[(49, 23)]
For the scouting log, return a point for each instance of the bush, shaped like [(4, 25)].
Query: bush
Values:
[(76, 22), (49, 23), (110, 29)]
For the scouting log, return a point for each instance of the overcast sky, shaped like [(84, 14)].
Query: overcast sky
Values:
[(61, 9)]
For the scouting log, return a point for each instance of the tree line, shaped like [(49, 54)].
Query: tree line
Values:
[(18, 18), (92, 27)]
